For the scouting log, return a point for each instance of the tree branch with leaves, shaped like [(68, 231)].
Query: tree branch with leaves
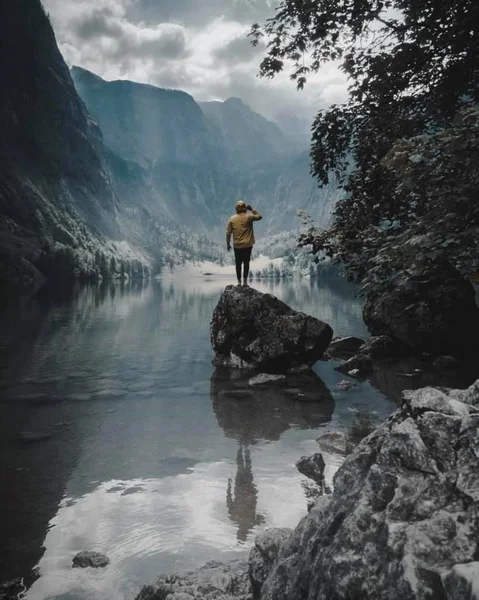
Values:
[(412, 68)]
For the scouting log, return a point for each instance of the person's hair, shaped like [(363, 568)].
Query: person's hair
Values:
[(240, 206)]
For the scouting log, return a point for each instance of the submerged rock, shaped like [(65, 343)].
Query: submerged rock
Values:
[(254, 330), (214, 581), (402, 521), (86, 559), (344, 385)]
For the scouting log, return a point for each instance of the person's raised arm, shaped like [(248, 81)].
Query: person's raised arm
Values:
[(229, 231), (255, 216)]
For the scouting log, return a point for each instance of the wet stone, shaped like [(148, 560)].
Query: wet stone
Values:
[(334, 443), (344, 385), (344, 347), (265, 378), (357, 366), (86, 559)]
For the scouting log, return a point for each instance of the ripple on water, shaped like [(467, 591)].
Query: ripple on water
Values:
[(110, 393), (143, 385), (147, 467)]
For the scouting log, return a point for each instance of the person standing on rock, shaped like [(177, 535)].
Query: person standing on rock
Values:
[(240, 226)]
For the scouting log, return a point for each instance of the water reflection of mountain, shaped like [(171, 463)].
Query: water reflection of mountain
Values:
[(249, 414)]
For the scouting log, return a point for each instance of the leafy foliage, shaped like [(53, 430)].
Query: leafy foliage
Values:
[(412, 68)]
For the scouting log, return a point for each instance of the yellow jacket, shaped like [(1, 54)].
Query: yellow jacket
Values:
[(240, 226)]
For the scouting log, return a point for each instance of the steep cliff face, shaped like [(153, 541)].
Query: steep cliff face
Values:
[(190, 162), (147, 124), (56, 199)]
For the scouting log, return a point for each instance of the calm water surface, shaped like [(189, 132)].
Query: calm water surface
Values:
[(117, 435)]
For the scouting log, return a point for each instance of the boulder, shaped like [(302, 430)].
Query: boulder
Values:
[(254, 330), (214, 581), (312, 467), (433, 310), (263, 554), (335, 442), (90, 559), (402, 521), (344, 347)]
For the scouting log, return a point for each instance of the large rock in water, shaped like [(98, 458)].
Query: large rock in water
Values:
[(433, 310), (403, 519), (251, 329)]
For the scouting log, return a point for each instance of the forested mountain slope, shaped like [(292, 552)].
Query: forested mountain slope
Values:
[(57, 204)]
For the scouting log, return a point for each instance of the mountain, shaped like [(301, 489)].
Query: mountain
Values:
[(131, 176), (162, 152), (147, 124), (247, 137), (57, 203), (188, 163)]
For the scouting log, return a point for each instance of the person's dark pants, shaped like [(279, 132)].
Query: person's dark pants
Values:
[(242, 257)]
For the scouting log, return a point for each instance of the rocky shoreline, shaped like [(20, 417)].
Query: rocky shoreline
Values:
[(402, 520)]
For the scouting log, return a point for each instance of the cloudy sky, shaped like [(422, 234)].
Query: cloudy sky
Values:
[(199, 46)]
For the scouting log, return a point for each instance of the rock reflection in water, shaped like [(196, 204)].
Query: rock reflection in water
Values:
[(242, 500), (249, 414)]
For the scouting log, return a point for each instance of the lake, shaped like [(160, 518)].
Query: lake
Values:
[(118, 435)]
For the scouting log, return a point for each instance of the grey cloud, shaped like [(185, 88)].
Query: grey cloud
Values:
[(169, 44), (238, 50), (201, 12), (99, 23), (184, 44), (271, 102), (165, 41)]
